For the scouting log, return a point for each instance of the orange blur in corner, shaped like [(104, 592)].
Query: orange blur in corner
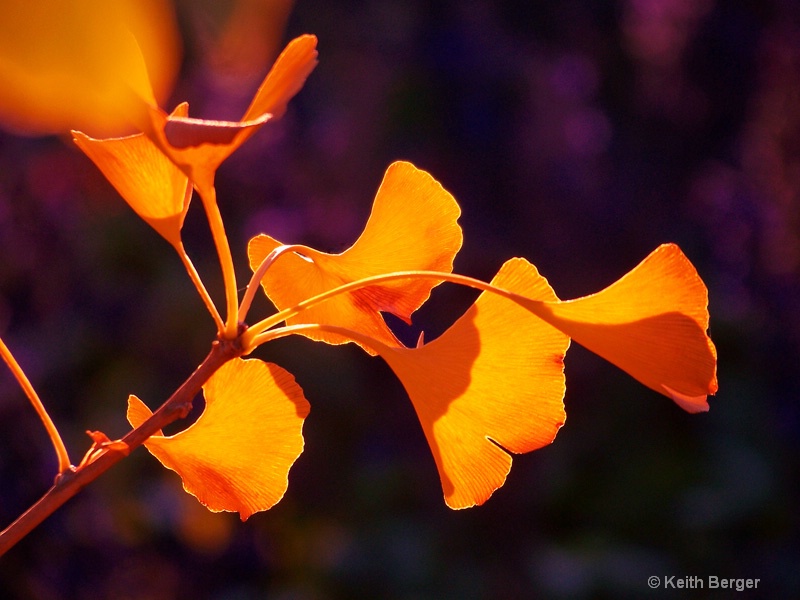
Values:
[(84, 65)]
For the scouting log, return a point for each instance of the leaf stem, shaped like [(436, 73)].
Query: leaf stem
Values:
[(201, 289), (279, 332), (64, 462), (208, 195), (255, 335), (259, 273)]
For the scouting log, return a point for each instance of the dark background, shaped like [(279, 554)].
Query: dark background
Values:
[(579, 135)]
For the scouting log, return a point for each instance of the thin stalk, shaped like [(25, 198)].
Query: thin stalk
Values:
[(71, 482), (279, 332), (201, 289), (259, 273), (64, 462), (255, 335), (208, 194)]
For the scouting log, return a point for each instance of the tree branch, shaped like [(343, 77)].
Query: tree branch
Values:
[(71, 482)]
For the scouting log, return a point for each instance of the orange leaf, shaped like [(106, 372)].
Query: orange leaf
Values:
[(199, 146), (412, 227), (652, 324), (237, 455), (285, 79), (494, 381), (84, 65), (146, 179)]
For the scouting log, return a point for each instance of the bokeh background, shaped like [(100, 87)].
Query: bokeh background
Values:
[(577, 134)]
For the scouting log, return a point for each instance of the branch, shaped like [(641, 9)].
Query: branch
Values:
[(71, 482)]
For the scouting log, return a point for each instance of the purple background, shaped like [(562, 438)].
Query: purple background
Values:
[(579, 135)]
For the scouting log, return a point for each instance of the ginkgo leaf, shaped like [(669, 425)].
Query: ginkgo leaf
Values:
[(493, 383), (236, 457), (652, 324), (146, 179), (89, 65), (285, 79), (199, 146), (412, 226)]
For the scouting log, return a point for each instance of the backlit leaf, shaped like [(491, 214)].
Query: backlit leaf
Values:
[(149, 182), (493, 383), (199, 146), (412, 227), (652, 324), (236, 456)]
